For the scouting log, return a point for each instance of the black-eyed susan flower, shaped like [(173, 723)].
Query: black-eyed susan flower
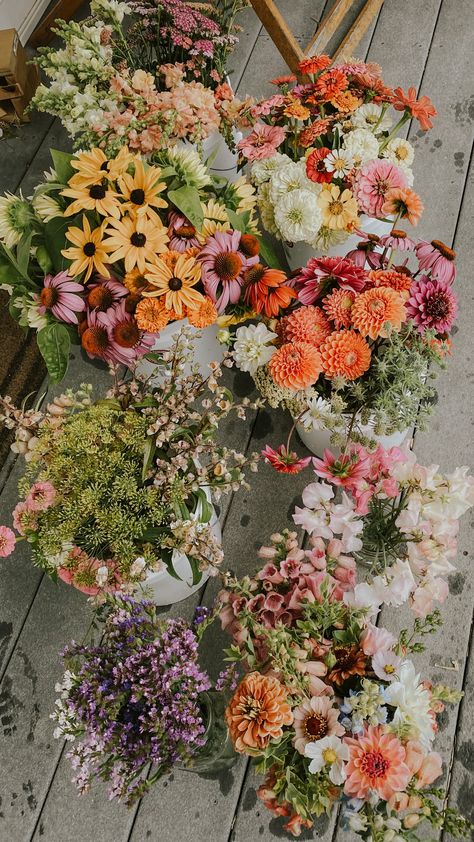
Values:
[(95, 197), (88, 252), (141, 190), (93, 166), (136, 240), (175, 283)]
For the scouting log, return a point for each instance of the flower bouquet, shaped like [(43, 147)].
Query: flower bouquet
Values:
[(137, 704), (143, 74), (111, 250), (400, 518), (326, 156), (118, 493), (350, 356), (332, 708)]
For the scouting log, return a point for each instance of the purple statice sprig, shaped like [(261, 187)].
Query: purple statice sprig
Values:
[(132, 703)]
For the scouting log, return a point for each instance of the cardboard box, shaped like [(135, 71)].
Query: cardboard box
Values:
[(18, 79)]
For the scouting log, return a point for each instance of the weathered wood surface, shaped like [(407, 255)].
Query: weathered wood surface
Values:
[(414, 41)]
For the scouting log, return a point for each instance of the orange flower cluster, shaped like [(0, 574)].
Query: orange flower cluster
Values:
[(257, 713)]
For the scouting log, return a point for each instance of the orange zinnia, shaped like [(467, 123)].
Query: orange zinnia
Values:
[(307, 324), (152, 316), (314, 64), (338, 305), (421, 109), (310, 133), (378, 310), (205, 315), (396, 280), (297, 110), (257, 713), (345, 354), (265, 290), (346, 101), (403, 202), (295, 366)]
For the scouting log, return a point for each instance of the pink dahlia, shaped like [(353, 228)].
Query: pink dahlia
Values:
[(321, 273), (262, 142), (182, 234), (41, 496), (223, 266), (377, 763), (432, 305), (7, 541), (375, 179), (62, 297), (438, 258)]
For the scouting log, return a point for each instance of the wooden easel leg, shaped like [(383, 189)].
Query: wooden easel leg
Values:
[(63, 9), (359, 27), (328, 26), (281, 36)]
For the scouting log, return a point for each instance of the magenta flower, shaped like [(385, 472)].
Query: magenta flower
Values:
[(262, 142), (7, 541), (61, 296), (375, 179), (346, 470), (182, 234), (432, 305), (321, 273), (40, 496), (438, 258), (24, 519), (223, 267), (285, 461)]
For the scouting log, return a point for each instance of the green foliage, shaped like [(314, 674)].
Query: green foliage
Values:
[(188, 201), (407, 642), (62, 165), (54, 343)]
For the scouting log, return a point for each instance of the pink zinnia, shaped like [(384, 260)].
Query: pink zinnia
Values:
[(62, 297), (346, 470), (41, 496), (432, 305), (24, 519), (7, 541), (262, 142), (438, 258), (376, 762), (182, 234), (285, 461), (375, 179), (223, 267), (320, 273)]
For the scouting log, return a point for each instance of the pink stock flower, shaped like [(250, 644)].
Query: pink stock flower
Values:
[(346, 470), (223, 266), (375, 179), (262, 142), (40, 496), (321, 273), (430, 769), (375, 639), (432, 305), (438, 258), (62, 297), (285, 461), (7, 541), (426, 594)]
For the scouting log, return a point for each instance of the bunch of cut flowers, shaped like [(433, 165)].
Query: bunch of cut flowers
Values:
[(326, 151), (144, 74), (113, 487), (352, 352), (111, 249), (332, 708), (135, 704)]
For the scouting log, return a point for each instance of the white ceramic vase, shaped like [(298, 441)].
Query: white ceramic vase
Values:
[(299, 253), (224, 161), (206, 348), (317, 441)]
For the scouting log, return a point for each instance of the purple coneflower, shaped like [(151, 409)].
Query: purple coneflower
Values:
[(181, 232), (103, 293), (114, 336), (223, 267), (60, 295), (432, 305), (398, 240), (437, 257)]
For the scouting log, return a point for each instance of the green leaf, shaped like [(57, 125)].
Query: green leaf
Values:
[(54, 344), (154, 357), (55, 240), (197, 575), (167, 557), (8, 273), (23, 251), (148, 454), (154, 533), (239, 221), (44, 260), (267, 254), (187, 200), (62, 165), (204, 505)]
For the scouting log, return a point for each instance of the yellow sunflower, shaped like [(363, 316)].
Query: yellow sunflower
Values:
[(93, 166), (141, 190), (94, 197), (338, 207), (136, 240), (88, 252), (176, 284)]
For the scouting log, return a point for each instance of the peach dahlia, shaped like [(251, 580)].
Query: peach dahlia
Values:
[(295, 365), (377, 311), (377, 763), (345, 353), (307, 324)]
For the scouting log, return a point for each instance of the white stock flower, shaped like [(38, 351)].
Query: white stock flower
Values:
[(261, 171), (363, 596), (361, 145), (396, 584), (332, 752), (298, 216), (368, 117), (412, 704), (111, 9), (252, 347)]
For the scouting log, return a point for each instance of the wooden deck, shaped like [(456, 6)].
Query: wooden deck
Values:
[(427, 43)]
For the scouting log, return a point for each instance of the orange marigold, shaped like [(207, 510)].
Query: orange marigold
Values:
[(403, 202), (152, 316), (205, 315), (257, 713), (345, 353), (338, 305), (307, 324), (399, 281), (377, 311), (295, 365)]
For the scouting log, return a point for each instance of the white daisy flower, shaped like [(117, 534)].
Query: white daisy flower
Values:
[(361, 146), (252, 347), (298, 216), (332, 752), (340, 163), (368, 117), (262, 170), (317, 415), (399, 151)]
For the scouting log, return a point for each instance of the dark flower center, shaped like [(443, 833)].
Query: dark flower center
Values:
[(138, 239), (187, 232), (443, 249), (346, 657), (228, 265), (100, 298), (437, 307), (97, 191), (398, 233), (89, 249), (374, 764), (49, 296), (137, 196), (254, 274), (175, 284), (316, 725), (126, 334), (105, 166), (95, 340), (249, 245)]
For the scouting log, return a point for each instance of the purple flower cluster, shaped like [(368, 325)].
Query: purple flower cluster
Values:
[(134, 700)]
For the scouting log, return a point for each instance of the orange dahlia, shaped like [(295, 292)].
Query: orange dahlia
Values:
[(295, 365), (404, 203), (345, 353), (396, 279), (378, 310), (307, 324), (152, 316), (257, 713), (338, 305), (204, 315)]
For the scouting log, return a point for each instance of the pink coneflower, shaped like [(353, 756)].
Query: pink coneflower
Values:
[(285, 461), (103, 293), (40, 496), (437, 257), (366, 251), (432, 305), (60, 296), (321, 273), (262, 142), (127, 342), (398, 240), (7, 541), (376, 762), (346, 470), (24, 519), (375, 179), (182, 234), (223, 266)]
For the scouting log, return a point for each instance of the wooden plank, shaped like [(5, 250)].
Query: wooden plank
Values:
[(281, 35), (328, 27), (357, 30)]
